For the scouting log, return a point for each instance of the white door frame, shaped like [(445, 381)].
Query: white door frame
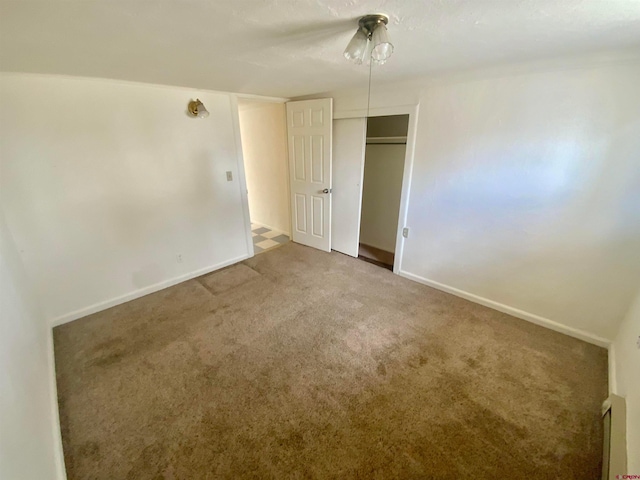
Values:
[(242, 176), (412, 111)]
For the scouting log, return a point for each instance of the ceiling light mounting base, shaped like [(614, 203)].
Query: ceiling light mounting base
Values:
[(196, 108), (368, 23)]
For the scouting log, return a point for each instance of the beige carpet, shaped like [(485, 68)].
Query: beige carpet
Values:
[(303, 364)]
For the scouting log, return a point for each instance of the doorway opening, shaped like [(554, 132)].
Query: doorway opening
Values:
[(385, 151), (264, 149)]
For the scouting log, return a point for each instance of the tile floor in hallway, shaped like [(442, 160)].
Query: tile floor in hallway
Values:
[(265, 239)]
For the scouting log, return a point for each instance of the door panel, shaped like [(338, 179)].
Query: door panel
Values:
[(317, 159), (349, 143), (318, 216), (300, 214), (309, 129), (298, 159)]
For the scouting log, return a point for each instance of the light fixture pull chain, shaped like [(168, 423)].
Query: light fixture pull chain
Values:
[(369, 90)]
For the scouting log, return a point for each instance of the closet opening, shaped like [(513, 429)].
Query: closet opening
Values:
[(385, 151)]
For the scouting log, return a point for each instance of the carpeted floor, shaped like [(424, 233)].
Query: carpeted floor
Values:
[(302, 364)]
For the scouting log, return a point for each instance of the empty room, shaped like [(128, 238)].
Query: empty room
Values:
[(319, 239)]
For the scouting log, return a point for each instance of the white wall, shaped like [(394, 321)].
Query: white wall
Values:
[(112, 191), (30, 445), (525, 187), (264, 145), (526, 190), (626, 352), (382, 186)]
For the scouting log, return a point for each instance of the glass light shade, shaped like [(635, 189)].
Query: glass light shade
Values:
[(382, 47), (202, 111), (357, 48)]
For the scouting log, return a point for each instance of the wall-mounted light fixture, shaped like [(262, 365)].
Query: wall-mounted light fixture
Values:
[(197, 109), (371, 28)]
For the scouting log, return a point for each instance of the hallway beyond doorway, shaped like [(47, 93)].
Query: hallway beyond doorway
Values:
[(265, 238)]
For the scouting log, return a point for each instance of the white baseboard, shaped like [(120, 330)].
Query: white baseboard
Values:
[(288, 234), (83, 312), (530, 317), (58, 454)]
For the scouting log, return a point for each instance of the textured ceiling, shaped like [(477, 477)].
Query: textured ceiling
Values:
[(289, 48)]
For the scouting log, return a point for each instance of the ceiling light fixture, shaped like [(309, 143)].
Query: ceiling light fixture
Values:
[(371, 28), (197, 109)]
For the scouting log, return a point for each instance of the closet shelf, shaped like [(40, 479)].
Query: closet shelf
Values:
[(386, 140)]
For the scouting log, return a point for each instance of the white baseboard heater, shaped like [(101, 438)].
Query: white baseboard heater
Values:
[(614, 455)]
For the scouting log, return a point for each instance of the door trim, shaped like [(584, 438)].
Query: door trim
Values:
[(242, 177), (412, 111)]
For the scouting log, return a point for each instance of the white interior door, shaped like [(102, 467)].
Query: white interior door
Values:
[(309, 131), (349, 144)]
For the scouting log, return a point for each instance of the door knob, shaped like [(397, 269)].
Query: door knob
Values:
[(326, 190)]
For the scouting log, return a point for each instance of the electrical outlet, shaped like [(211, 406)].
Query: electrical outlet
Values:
[(229, 176), (179, 258), (405, 232)]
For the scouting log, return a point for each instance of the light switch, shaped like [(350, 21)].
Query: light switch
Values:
[(229, 176)]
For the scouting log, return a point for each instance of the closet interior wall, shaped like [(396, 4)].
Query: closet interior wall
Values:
[(382, 186)]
